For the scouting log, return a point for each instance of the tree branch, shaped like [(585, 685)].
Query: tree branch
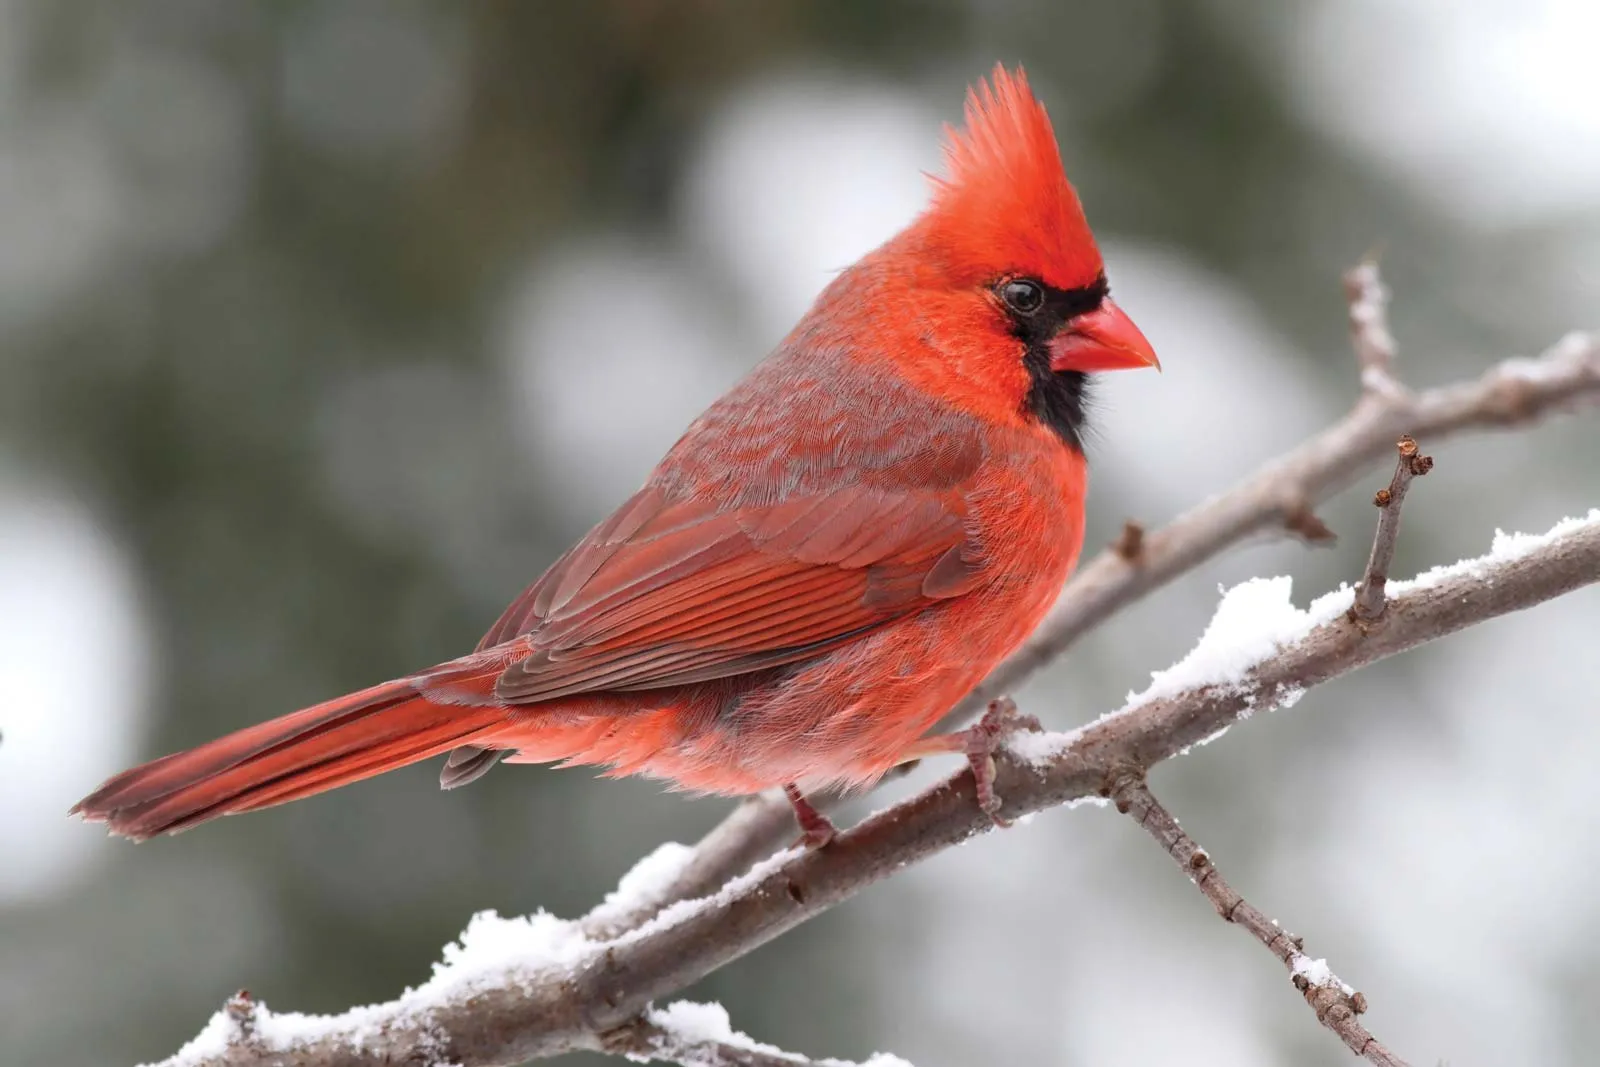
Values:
[(1337, 1006), (1280, 495), (480, 1014), (1369, 594)]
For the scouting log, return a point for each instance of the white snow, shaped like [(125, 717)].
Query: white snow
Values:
[(1506, 548), (1318, 973), (1040, 746), (697, 1023), (493, 952), (647, 881), (685, 909), (1253, 621), (690, 1024), (210, 1042)]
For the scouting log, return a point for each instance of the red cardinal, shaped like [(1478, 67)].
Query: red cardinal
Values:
[(831, 556)]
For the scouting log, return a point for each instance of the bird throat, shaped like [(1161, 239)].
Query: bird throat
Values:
[(1058, 399)]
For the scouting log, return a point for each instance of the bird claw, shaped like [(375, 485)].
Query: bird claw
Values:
[(816, 829), (1000, 720)]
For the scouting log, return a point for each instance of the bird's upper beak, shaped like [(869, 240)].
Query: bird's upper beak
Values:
[(1100, 340)]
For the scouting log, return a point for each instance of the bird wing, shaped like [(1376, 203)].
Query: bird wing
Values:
[(668, 592)]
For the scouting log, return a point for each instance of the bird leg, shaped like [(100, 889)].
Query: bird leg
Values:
[(977, 743), (816, 829)]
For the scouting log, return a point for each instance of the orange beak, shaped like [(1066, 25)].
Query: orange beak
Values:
[(1101, 340)]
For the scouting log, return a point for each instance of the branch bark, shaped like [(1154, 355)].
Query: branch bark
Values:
[(527, 1015), (1368, 301), (1336, 1005), (1369, 594)]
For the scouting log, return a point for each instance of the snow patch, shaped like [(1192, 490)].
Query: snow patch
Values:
[(688, 1025), (1253, 621), (1040, 747), (1318, 973), (492, 953), (648, 881), (687, 909)]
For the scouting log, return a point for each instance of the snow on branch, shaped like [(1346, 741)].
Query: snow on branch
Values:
[(700, 1035), (518, 989)]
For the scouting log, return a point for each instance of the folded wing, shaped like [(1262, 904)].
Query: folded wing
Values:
[(671, 592)]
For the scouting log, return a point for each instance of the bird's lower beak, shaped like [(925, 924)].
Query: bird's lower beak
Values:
[(1100, 340)]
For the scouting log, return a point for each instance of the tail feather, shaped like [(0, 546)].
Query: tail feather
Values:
[(305, 752)]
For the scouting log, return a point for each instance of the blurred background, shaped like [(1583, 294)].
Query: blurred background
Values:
[(324, 327)]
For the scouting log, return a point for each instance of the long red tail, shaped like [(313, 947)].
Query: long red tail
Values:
[(305, 752)]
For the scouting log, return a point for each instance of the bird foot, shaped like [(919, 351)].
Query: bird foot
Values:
[(979, 741), (816, 829)]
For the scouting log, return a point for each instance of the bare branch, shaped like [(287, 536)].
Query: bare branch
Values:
[(1337, 1006), (1369, 594), (1281, 495), (1368, 299), (522, 1012)]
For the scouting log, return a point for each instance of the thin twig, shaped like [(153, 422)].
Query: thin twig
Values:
[(1281, 494), (1369, 602), (487, 1023), (1368, 300), (1336, 1005)]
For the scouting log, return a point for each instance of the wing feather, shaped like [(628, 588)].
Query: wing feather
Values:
[(670, 592)]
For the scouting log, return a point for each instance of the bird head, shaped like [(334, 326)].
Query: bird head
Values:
[(1004, 250)]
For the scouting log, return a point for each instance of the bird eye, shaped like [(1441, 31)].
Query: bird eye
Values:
[(1022, 295)]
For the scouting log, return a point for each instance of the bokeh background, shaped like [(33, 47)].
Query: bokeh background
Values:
[(325, 326)]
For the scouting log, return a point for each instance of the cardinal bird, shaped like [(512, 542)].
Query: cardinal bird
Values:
[(830, 557)]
